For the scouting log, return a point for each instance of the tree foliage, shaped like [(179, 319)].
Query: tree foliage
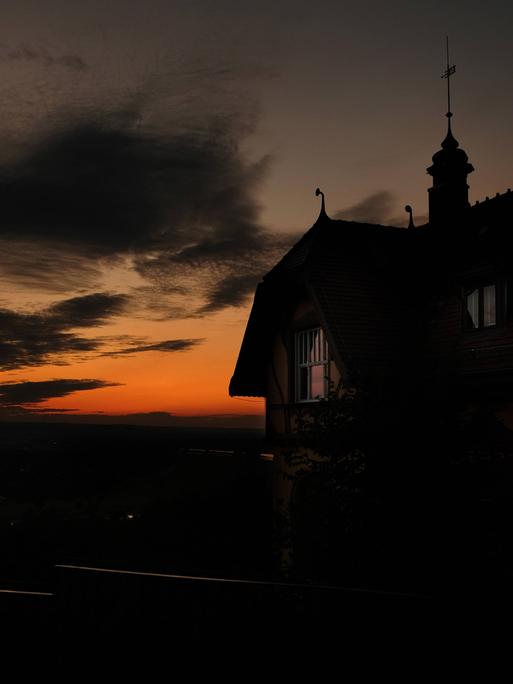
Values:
[(326, 462)]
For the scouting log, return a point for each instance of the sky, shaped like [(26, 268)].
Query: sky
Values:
[(157, 159)]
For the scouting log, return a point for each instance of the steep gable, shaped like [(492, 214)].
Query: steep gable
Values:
[(353, 274)]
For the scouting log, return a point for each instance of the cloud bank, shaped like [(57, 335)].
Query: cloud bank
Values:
[(27, 395), (172, 193), (164, 346), (381, 208), (41, 55), (153, 177), (51, 335)]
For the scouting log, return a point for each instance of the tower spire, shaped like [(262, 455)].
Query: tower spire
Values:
[(450, 70)]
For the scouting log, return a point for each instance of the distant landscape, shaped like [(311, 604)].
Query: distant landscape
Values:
[(144, 498)]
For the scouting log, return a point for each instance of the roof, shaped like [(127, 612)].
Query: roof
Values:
[(482, 236), (370, 285), (356, 276)]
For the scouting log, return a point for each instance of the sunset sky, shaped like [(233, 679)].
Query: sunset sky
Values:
[(157, 158)]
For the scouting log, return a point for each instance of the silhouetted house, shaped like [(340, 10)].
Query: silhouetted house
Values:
[(414, 325)]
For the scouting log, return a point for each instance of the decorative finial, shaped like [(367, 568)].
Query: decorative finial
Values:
[(318, 192), (447, 74), (409, 211)]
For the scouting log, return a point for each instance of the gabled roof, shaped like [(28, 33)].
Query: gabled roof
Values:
[(356, 275)]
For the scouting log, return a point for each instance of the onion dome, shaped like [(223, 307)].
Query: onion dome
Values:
[(451, 158)]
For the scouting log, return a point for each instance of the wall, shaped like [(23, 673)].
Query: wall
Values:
[(281, 413)]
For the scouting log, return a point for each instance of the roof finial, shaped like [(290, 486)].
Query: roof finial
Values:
[(318, 192), (447, 74), (409, 211)]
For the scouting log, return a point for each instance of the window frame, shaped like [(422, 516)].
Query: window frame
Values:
[(321, 359)]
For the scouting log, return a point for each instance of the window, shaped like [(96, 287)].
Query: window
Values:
[(311, 365), (481, 306), (487, 305)]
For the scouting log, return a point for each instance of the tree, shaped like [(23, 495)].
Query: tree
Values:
[(326, 464)]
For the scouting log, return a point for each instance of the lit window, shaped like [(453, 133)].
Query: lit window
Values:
[(311, 365), (481, 307)]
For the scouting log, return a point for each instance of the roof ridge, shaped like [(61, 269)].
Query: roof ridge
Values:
[(498, 195)]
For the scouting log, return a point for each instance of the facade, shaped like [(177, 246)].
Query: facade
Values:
[(390, 351)]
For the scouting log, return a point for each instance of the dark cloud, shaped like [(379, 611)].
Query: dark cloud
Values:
[(108, 188), (380, 207), (151, 176), (86, 311), (164, 346), (46, 267), (178, 200), (86, 187), (232, 290), (375, 208), (30, 339), (27, 53), (27, 395), (216, 275)]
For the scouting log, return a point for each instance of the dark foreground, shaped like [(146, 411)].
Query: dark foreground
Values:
[(100, 617), (150, 499), (156, 532)]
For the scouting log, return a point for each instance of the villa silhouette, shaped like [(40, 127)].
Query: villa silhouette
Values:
[(411, 332)]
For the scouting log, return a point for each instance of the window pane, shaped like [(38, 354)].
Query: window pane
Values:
[(317, 381), (473, 309), (489, 308), (324, 348), (311, 345), (303, 384)]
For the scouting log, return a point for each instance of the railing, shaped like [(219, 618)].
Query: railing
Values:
[(226, 611), (27, 612), (93, 605)]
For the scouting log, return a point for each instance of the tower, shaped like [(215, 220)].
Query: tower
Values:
[(448, 197)]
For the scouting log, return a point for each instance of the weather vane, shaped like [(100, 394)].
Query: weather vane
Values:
[(447, 74)]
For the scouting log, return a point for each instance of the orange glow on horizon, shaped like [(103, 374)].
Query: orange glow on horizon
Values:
[(193, 382)]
